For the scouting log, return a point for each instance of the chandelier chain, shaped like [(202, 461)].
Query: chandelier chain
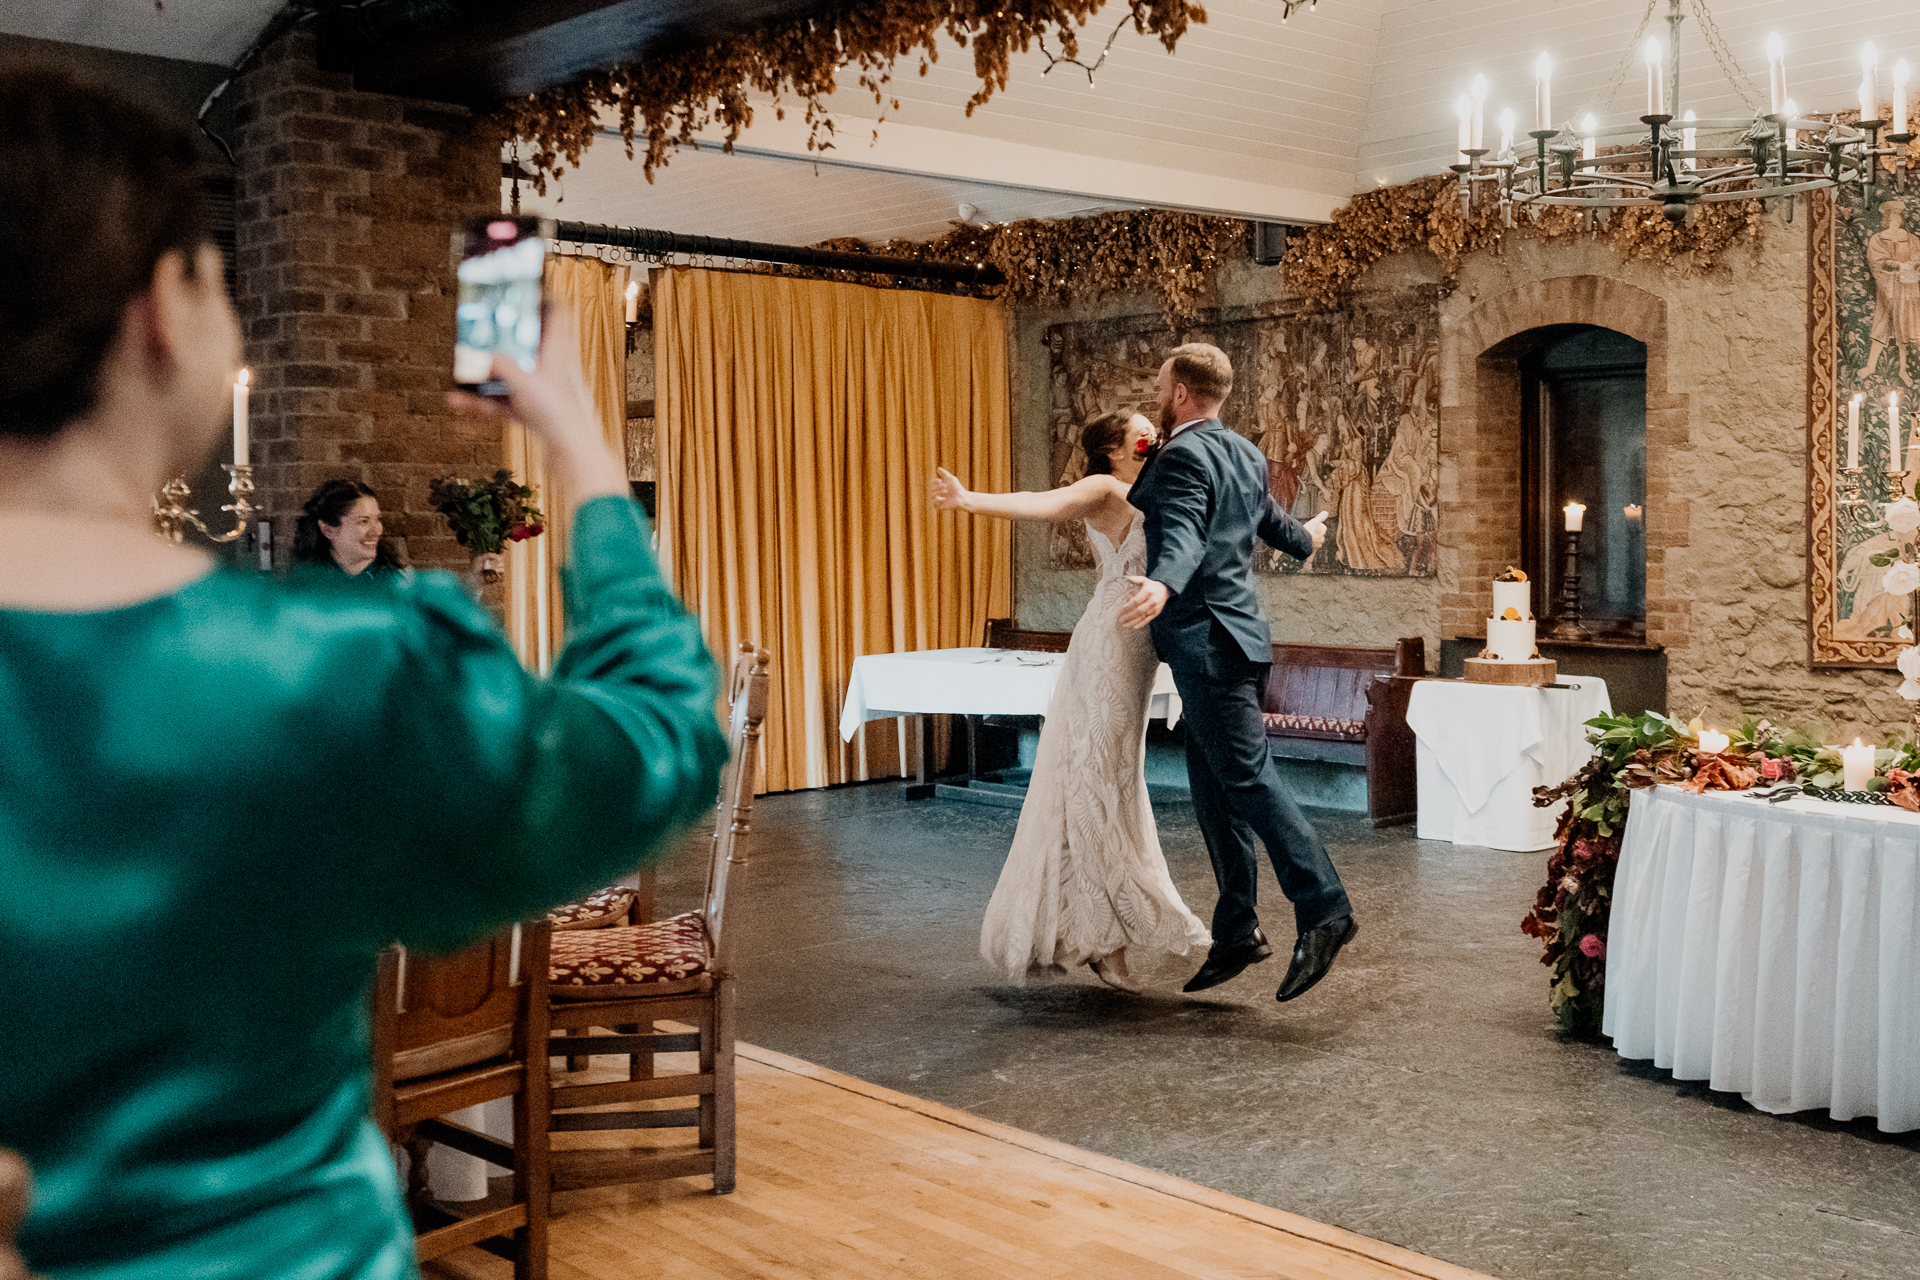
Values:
[(1626, 61), (1097, 63), (1729, 65)]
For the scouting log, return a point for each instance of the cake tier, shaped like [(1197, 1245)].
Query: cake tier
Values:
[(1510, 641), (1513, 595)]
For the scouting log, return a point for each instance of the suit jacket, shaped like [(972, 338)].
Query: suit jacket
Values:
[(1205, 499)]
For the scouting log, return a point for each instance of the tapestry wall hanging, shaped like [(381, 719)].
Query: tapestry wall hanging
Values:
[(1863, 338), (1345, 404)]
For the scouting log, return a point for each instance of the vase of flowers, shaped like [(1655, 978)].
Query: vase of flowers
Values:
[(485, 515)]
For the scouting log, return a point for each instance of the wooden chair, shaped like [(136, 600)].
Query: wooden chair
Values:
[(611, 987), (455, 1031)]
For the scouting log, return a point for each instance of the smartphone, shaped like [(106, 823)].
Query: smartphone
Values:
[(501, 263)]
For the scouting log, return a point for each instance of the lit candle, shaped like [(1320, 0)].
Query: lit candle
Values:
[(1464, 109), (1894, 452), (1576, 516), (1856, 766), (1712, 743), (1656, 77), (1633, 511), (240, 419), (1793, 135), (1506, 130), (1543, 93), (633, 302), (1853, 428), (1869, 82), (1900, 73), (1686, 139), (1586, 142), (1478, 92), (1777, 73)]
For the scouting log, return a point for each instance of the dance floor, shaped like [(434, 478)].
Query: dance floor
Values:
[(840, 1178)]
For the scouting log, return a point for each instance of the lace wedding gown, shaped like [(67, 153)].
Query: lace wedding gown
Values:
[(1085, 875)]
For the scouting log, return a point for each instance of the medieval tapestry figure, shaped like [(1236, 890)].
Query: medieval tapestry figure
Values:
[(1345, 405)]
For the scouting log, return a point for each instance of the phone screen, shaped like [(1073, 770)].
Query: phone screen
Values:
[(499, 312)]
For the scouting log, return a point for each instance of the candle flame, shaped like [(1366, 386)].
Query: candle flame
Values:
[(1653, 50), (633, 288), (1586, 123), (1776, 47), (1901, 71), (1543, 67), (1464, 107), (1858, 743), (1478, 88), (1858, 396), (1869, 56), (245, 377)]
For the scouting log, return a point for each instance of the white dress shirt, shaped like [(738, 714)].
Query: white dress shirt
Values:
[(1183, 426)]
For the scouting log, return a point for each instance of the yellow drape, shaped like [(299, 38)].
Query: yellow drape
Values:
[(799, 424), (594, 293)]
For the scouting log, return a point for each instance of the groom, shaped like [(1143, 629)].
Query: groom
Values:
[(1205, 499)]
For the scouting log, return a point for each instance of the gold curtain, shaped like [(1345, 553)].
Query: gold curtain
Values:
[(596, 295), (799, 423)]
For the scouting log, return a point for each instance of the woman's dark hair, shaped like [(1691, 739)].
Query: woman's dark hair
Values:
[(1102, 436), (95, 189), (329, 505)]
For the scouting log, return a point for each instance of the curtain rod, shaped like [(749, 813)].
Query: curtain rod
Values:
[(662, 243)]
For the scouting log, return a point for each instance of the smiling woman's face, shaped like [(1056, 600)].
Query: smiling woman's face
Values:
[(356, 539)]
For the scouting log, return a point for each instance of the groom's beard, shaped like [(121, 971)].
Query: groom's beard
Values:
[(1167, 424)]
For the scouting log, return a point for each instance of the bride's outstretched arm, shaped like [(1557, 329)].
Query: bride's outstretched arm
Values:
[(1071, 502)]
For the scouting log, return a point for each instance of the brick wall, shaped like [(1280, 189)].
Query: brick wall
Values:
[(346, 202)]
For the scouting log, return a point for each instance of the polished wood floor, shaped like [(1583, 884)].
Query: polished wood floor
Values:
[(840, 1178)]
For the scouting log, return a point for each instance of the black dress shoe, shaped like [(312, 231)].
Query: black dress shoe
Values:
[(1225, 963), (1313, 955)]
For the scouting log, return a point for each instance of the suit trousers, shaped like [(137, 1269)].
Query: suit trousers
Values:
[(1237, 794)]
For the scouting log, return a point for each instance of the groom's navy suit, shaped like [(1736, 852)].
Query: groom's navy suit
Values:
[(1205, 499)]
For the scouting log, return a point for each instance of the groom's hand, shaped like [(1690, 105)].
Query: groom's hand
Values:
[(1317, 529), (1146, 603)]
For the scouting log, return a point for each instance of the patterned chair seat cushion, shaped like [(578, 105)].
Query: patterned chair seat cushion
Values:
[(598, 910), (1282, 723), (605, 964)]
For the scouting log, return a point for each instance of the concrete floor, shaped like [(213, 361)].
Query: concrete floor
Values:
[(1417, 1095)]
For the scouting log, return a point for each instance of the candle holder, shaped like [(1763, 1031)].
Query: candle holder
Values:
[(1540, 138), (1899, 143), (171, 515), (1896, 484), (1567, 625), (1870, 158), (1850, 478)]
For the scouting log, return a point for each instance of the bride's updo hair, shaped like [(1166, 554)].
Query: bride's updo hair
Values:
[(1101, 437)]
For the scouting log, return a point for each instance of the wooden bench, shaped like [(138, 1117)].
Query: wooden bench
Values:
[(1322, 702)]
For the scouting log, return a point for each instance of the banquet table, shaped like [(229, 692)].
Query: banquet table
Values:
[(1481, 749), (968, 682), (1769, 949)]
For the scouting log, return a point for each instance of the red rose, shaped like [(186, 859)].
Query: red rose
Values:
[(519, 533), (1141, 446)]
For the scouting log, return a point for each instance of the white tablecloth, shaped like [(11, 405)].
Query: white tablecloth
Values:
[(1770, 951), (973, 682), (1481, 749)]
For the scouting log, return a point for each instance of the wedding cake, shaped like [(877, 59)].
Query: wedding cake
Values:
[(1509, 657)]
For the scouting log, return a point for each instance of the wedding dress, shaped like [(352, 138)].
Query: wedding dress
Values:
[(1085, 875)]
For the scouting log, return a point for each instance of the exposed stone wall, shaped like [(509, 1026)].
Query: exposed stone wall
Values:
[(346, 205)]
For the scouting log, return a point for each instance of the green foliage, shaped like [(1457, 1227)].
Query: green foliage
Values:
[(486, 514)]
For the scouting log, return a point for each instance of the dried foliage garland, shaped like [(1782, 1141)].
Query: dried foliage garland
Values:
[(665, 99), (1426, 214)]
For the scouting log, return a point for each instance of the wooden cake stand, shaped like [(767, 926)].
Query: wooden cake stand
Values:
[(1531, 672)]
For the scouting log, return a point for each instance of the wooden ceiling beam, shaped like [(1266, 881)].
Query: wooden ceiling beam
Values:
[(482, 52)]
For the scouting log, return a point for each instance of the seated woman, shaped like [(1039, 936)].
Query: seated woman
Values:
[(340, 525), (224, 793)]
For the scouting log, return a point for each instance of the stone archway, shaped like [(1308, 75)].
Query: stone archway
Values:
[(1480, 439)]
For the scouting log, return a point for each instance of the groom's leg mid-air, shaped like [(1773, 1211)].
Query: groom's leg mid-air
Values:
[(1237, 794)]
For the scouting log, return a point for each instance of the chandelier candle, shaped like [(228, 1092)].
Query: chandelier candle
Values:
[(1686, 139), (1869, 83), (1894, 451), (1656, 77), (1777, 73), (240, 418), (1793, 135), (1853, 428), (1464, 109), (1900, 74), (1543, 93), (1478, 92), (1587, 127), (1506, 130)]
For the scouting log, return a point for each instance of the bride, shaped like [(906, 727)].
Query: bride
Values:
[(1085, 879)]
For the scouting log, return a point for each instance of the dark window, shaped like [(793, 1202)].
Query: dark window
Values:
[(1584, 439)]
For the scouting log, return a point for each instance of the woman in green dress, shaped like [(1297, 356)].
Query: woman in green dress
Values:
[(221, 793)]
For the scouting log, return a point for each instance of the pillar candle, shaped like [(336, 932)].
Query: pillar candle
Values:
[(633, 302), (1869, 82), (1853, 429), (1478, 92), (1586, 142), (1686, 139), (1900, 73), (1464, 109), (1543, 93), (1777, 73), (1894, 452), (1856, 766), (1506, 130), (1656, 78), (240, 419), (1576, 516)]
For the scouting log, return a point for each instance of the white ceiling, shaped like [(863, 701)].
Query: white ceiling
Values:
[(1250, 116)]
